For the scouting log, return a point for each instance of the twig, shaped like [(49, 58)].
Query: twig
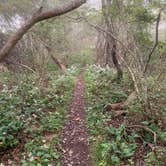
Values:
[(22, 65), (120, 112), (99, 28), (147, 129), (132, 74), (27, 67)]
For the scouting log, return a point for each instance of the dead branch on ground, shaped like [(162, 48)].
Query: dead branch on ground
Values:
[(146, 129)]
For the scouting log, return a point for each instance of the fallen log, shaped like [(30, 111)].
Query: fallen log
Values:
[(121, 105), (115, 106)]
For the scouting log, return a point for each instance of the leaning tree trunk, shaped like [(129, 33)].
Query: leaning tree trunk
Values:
[(40, 15), (58, 63)]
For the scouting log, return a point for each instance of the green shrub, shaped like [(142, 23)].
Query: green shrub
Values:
[(28, 111)]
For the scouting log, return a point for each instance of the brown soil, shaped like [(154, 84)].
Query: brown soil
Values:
[(75, 143)]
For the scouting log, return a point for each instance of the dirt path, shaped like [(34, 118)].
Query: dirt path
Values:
[(74, 136)]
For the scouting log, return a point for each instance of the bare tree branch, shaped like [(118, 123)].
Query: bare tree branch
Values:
[(40, 15), (100, 29), (22, 65), (146, 129)]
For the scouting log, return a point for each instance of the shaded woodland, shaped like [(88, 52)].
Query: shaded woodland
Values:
[(82, 82)]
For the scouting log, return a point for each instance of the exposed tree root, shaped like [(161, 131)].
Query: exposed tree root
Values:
[(146, 129)]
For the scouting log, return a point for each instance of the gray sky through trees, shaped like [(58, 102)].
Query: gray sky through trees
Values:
[(94, 3)]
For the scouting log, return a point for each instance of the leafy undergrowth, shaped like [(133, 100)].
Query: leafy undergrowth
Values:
[(32, 117), (114, 139)]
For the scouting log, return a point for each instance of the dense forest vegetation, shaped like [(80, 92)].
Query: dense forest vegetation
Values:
[(82, 83)]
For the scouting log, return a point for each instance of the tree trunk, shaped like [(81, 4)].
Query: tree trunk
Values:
[(116, 63), (37, 17), (58, 63), (111, 46), (111, 53)]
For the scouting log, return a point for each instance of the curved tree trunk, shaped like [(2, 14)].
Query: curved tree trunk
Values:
[(37, 17)]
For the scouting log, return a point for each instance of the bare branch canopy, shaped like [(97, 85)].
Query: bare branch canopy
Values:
[(35, 18)]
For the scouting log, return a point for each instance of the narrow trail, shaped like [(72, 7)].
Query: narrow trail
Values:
[(74, 135)]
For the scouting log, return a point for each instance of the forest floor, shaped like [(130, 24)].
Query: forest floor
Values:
[(68, 123), (75, 143)]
